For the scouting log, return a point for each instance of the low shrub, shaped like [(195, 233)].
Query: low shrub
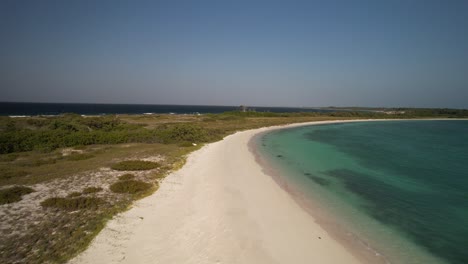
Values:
[(158, 175), (74, 194), (126, 177), (91, 190), (71, 204), (13, 194), (180, 133), (130, 186), (135, 165), (70, 131)]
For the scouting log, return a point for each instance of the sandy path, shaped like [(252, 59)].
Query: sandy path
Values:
[(219, 208)]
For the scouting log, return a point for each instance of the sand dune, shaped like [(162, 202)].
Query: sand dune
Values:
[(219, 208)]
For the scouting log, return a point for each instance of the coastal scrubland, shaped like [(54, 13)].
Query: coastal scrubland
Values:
[(63, 177)]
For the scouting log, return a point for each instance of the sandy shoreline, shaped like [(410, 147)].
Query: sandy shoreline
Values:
[(353, 243), (221, 207)]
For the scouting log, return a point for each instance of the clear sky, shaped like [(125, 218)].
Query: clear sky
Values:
[(266, 53)]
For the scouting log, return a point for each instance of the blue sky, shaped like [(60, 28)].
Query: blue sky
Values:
[(264, 53)]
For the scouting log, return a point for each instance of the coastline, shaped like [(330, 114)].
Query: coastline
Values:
[(218, 209), (372, 243), (360, 248)]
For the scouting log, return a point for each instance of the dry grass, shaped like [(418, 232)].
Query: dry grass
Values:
[(79, 156), (135, 165), (16, 173), (11, 173), (70, 185), (72, 204), (8, 157), (89, 190), (73, 194)]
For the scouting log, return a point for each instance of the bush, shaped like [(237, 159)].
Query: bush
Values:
[(106, 123), (130, 186), (91, 190), (126, 177), (135, 165), (13, 194), (184, 133), (74, 194), (71, 204), (69, 131)]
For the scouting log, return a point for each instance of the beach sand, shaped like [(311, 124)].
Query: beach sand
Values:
[(220, 207)]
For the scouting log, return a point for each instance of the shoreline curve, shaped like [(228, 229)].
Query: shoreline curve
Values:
[(220, 207)]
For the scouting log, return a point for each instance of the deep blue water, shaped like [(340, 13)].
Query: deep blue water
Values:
[(8, 108), (403, 182)]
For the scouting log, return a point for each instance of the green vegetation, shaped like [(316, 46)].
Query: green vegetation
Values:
[(46, 134), (183, 133), (130, 186), (126, 177), (89, 190), (31, 152), (13, 194), (135, 165), (72, 204), (401, 112)]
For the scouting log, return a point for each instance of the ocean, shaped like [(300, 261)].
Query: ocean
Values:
[(400, 187), (29, 109)]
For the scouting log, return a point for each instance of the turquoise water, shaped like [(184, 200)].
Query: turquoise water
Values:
[(400, 185)]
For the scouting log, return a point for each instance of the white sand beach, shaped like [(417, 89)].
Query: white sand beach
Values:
[(219, 208)]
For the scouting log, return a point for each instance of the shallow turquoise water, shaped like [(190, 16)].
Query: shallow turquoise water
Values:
[(401, 184)]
